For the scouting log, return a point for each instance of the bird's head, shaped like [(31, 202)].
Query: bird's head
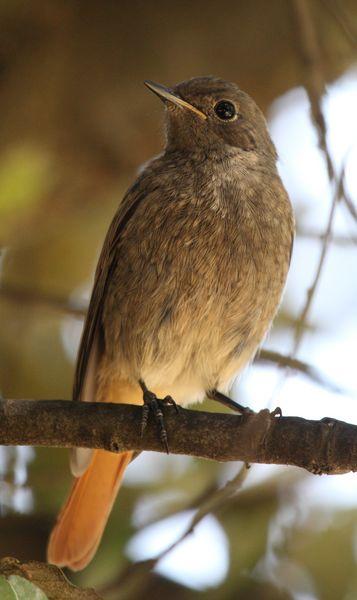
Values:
[(210, 115)]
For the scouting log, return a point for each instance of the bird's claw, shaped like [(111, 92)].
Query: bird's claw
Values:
[(154, 404), (169, 401)]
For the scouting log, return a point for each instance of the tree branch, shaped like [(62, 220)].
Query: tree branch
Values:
[(312, 59), (338, 240), (281, 360), (326, 446), (138, 572)]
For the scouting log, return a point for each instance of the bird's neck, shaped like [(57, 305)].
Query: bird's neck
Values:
[(212, 161)]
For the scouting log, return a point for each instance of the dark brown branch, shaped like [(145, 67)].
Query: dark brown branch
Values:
[(326, 446)]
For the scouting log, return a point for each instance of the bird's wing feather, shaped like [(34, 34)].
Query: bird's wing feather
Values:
[(91, 345)]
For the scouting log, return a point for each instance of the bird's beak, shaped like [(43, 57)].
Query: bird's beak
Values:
[(168, 95)]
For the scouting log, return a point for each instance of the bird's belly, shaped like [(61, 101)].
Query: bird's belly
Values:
[(207, 350), (186, 337)]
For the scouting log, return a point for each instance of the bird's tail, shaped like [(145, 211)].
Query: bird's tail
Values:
[(81, 522)]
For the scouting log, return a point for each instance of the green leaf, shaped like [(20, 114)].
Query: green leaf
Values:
[(53, 583), (24, 590), (6, 591)]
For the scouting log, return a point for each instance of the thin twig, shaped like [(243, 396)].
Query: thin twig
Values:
[(337, 10), (323, 253), (311, 56), (219, 499), (22, 294), (212, 504), (338, 240), (349, 204), (310, 53), (294, 364)]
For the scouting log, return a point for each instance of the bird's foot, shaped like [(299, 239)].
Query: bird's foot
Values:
[(226, 401), (277, 412), (243, 410), (155, 404)]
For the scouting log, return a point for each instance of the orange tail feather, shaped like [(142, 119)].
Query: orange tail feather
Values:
[(82, 520)]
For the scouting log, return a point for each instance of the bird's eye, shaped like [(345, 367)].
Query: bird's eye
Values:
[(225, 110)]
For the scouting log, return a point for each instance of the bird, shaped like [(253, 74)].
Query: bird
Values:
[(189, 279)]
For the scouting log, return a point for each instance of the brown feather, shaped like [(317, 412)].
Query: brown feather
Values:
[(189, 279), (106, 265)]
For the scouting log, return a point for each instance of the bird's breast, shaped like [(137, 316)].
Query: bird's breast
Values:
[(197, 283)]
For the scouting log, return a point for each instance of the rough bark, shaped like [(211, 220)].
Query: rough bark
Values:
[(326, 446)]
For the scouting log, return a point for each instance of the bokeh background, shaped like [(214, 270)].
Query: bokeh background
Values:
[(76, 122)]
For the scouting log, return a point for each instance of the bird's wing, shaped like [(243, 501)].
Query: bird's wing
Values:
[(91, 345)]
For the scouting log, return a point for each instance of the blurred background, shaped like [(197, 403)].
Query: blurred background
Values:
[(76, 123)]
